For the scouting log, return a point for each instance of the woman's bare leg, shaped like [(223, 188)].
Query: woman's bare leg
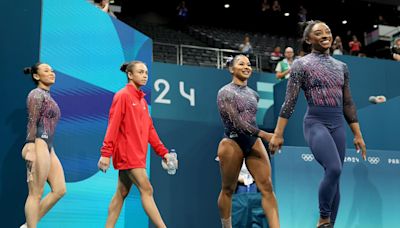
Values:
[(40, 171), (259, 166), (230, 160), (123, 188), (140, 179), (56, 180)]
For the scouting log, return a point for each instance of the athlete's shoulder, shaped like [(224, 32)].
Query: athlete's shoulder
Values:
[(36, 93), (226, 91)]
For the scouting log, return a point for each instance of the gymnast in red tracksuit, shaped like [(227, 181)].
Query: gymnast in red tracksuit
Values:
[(130, 129)]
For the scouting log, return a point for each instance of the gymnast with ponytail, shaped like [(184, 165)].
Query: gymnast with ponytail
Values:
[(42, 162), (130, 129)]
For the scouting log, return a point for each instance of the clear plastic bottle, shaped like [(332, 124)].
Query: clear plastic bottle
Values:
[(172, 163)]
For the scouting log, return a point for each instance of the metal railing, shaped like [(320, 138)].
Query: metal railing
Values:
[(216, 50), (168, 45), (220, 55)]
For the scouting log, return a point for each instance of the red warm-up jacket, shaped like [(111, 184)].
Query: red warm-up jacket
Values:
[(130, 129)]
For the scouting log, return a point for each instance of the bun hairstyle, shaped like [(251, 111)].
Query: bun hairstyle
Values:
[(28, 70), (124, 67), (229, 61), (129, 66), (32, 70)]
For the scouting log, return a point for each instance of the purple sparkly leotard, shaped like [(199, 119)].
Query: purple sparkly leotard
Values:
[(325, 82), (43, 115), (237, 106)]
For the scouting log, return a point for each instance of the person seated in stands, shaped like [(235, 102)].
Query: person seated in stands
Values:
[(283, 67), (246, 47), (276, 56), (104, 5)]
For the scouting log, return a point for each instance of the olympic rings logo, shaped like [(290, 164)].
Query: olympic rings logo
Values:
[(374, 160), (307, 157)]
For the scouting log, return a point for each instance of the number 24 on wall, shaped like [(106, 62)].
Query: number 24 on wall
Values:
[(161, 98)]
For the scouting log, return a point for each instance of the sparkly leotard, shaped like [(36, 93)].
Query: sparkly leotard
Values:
[(237, 106), (325, 82), (43, 115)]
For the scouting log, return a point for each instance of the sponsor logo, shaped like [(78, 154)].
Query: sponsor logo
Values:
[(233, 135), (44, 136)]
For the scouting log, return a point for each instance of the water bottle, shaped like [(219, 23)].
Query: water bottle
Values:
[(172, 163)]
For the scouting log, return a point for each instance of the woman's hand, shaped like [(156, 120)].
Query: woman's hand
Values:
[(360, 145), (29, 155), (104, 163), (265, 135), (275, 143), (167, 158)]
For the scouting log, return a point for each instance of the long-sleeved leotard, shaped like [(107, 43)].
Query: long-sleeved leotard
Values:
[(237, 106), (325, 82), (43, 115)]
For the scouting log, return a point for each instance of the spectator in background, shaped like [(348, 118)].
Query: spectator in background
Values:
[(276, 18), (246, 47), (265, 7), (396, 50), (246, 201), (355, 46), (302, 18), (275, 57), (337, 46), (276, 6), (104, 5), (283, 67), (265, 15), (182, 14), (302, 14)]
